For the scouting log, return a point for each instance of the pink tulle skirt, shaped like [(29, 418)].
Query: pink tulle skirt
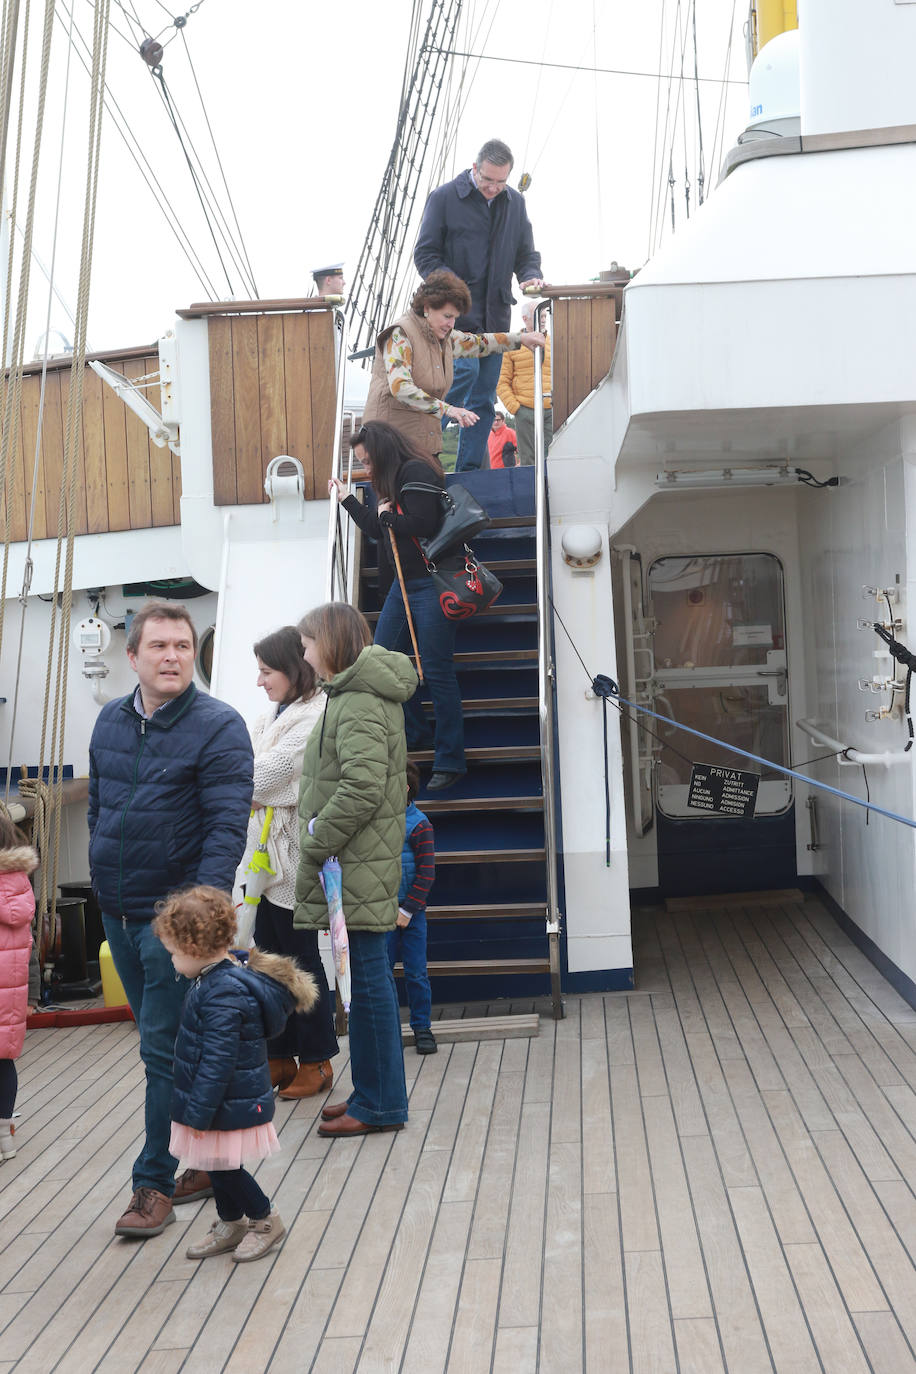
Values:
[(223, 1149)]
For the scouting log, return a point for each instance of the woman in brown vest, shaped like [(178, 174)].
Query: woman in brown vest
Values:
[(412, 370)]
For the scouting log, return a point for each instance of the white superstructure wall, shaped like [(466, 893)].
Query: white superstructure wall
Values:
[(856, 65), (862, 536)]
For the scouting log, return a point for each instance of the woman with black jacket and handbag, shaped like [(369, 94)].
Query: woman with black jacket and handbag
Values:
[(397, 470)]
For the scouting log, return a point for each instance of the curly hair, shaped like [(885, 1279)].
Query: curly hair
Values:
[(441, 288), (198, 921)]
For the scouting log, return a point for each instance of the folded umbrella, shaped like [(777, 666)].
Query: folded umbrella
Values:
[(332, 884)]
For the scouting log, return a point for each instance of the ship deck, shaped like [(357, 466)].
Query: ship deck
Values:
[(715, 1172)]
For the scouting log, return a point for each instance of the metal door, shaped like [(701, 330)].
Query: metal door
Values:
[(719, 665)]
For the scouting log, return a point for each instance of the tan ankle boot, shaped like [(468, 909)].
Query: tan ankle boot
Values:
[(311, 1079), (282, 1072)]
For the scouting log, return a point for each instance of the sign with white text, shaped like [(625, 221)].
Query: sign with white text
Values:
[(728, 791)]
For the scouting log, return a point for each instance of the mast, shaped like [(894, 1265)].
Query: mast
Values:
[(374, 282)]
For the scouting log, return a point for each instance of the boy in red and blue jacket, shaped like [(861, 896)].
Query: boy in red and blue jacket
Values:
[(407, 941)]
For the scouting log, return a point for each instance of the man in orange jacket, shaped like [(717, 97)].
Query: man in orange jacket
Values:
[(516, 391)]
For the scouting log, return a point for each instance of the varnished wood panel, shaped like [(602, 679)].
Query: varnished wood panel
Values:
[(138, 459), (80, 516), (122, 480), (246, 387), (321, 332), (222, 411), (94, 449), (583, 338), (272, 391), (298, 370)]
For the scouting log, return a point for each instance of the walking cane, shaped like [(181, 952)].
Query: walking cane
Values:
[(413, 637)]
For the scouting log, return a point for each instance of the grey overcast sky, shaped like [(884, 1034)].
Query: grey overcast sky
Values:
[(302, 101)]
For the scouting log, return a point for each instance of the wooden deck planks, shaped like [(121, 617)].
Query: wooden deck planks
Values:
[(719, 1175)]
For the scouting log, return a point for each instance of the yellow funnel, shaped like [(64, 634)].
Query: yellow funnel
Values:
[(771, 17)]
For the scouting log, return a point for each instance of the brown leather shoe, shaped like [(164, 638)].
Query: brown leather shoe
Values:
[(149, 1213), (348, 1125), (192, 1185), (332, 1112), (311, 1079), (282, 1072)]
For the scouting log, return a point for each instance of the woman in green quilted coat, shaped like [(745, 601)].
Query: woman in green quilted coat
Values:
[(351, 804)]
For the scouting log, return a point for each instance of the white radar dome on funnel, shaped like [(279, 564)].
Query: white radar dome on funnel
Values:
[(774, 89)]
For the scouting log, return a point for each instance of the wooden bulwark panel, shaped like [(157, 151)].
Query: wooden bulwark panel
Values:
[(584, 334), (123, 480), (272, 391)]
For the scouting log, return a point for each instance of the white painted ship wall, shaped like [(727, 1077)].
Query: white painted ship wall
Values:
[(597, 907), (868, 868), (268, 571), (780, 324)]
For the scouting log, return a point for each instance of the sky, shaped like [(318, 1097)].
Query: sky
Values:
[(302, 101)]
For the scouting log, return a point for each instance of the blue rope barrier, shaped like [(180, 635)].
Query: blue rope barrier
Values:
[(605, 687)]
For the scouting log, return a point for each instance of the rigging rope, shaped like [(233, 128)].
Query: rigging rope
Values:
[(67, 506), (701, 173), (141, 161), (28, 566)]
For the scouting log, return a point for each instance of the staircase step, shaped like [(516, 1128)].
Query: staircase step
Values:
[(494, 704), (513, 1027), (450, 968), (487, 656), (496, 754), (506, 911), (517, 608), (434, 806), (502, 567), (489, 856)]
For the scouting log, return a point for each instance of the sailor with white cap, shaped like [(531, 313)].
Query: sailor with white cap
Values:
[(329, 281)]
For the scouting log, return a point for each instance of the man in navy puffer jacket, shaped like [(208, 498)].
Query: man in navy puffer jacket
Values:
[(478, 228), (170, 786)]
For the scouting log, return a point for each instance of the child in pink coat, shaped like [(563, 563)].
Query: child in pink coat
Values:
[(17, 907)]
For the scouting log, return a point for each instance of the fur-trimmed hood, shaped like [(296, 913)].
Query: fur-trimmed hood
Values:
[(301, 985), (21, 859)]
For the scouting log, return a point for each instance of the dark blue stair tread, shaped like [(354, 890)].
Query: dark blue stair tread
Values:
[(502, 493), (497, 680), (459, 884), (514, 779), (461, 830)]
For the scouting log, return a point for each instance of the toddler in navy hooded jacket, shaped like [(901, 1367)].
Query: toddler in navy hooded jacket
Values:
[(223, 1102)]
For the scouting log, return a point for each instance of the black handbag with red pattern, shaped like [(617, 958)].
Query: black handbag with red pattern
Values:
[(463, 585)]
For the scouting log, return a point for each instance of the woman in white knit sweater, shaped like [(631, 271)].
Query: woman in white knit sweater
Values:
[(278, 739)]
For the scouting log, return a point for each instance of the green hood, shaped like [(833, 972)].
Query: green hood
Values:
[(388, 674)]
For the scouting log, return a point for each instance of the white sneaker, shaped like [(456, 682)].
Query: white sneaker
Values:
[(7, 1143), (261, 1237), (222, 1236)]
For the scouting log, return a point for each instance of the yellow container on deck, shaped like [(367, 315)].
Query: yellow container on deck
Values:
[(113, 992)]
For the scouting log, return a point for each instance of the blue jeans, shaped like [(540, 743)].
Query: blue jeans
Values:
[(408, 943), (156, 995), (379, 1096), (474, 383), (308, 1037), (436, 638)]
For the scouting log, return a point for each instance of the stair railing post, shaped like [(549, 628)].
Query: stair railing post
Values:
[(337, 575), (546, 681)]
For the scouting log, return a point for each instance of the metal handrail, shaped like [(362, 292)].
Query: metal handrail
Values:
[(337, 571), (546, 680)]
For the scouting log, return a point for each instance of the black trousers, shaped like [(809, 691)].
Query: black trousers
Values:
[(9, 1082), (237, 1195), (309, 1038)]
